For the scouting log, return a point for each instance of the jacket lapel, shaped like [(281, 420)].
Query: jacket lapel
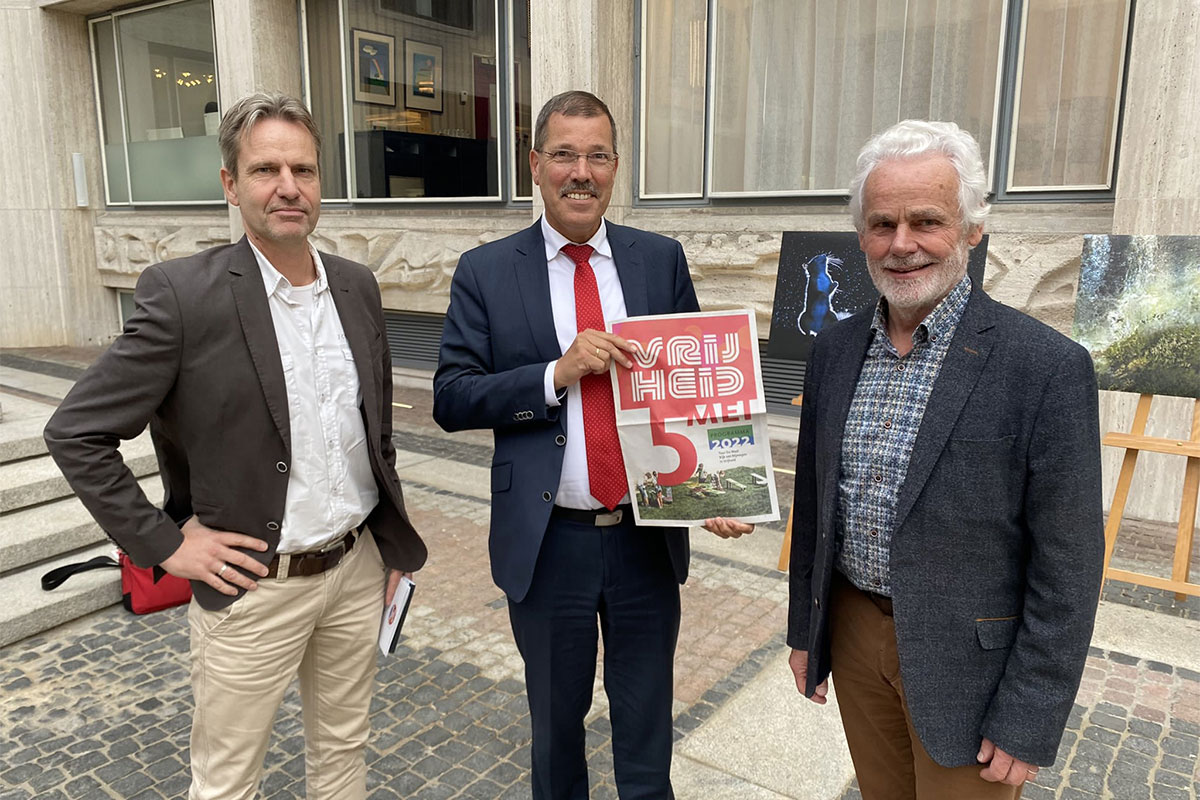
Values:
[(250, 296), (630, 269), (360, 334), (839, 390), (533, 283), (959, 374)]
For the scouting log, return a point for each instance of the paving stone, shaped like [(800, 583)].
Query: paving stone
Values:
[(1180, 745), (1162, 791), (83, 787)]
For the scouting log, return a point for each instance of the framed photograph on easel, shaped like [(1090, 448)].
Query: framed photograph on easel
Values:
[(374, 67), (422, 76)]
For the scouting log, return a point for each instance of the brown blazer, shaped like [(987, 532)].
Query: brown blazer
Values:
[(200, 363)]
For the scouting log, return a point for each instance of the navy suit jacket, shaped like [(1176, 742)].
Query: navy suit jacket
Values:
[(498, 338), (996, 556)]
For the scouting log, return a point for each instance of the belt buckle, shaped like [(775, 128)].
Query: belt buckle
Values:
[(340, 543), (611, 518)]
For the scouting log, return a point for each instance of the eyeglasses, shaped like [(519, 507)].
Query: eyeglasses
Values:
[(594, 160)]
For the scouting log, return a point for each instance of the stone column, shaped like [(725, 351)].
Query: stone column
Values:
[(1157, 193), (51, 294), (588, 44)]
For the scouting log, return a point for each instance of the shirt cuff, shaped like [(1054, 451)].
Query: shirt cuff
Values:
[(553, 400)]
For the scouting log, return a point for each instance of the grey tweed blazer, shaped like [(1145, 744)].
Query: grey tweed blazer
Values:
[(997, 554)]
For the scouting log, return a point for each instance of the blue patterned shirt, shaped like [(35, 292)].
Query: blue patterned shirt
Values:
[(881, 428)]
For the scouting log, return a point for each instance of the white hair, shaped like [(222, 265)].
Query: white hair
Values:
[(914, 138)]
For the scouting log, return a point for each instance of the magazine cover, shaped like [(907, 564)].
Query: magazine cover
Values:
[(692, 419)]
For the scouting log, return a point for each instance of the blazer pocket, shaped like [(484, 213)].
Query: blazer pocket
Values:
[(501, 477), (1000, 444), (997, 632)]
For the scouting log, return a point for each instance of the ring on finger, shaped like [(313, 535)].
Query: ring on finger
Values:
[(221, 571), (599, 355)]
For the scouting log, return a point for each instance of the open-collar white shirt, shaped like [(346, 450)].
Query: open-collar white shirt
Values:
[(331, 488)]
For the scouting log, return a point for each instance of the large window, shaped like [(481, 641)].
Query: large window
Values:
[(1071, 69), (156, 87), (760, 98), (416, 101)]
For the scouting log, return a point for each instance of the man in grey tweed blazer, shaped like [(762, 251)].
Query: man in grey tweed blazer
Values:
[(947, 543)]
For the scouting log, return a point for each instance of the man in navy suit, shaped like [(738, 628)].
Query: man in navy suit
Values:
[(947, 542), (525, 352)]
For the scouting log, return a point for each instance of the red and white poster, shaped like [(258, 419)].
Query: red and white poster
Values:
[(693, 420)]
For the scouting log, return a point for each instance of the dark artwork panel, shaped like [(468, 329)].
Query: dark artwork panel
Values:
[(823, 278), (1138, 312)]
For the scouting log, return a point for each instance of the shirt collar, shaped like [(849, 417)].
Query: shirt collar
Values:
[(554, 240), (940, 322), (275, 283)]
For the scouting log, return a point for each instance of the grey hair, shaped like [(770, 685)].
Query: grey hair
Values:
[(914, 138), (572, 104), (242, 116)]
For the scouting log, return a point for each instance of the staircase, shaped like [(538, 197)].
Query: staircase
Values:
[(42, 524)]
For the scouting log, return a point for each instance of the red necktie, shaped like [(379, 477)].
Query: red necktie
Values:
[(606, 467)]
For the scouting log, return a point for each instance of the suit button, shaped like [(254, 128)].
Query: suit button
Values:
[(272, 525), (817, 602), (282, 467), (560, 440), (547, 496)]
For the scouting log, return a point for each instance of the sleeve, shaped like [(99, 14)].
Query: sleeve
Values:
[(1064, 520), (386, 445), (685, 291), (469, 389), (114, 401)]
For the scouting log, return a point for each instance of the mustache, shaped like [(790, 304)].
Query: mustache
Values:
[(578, 186), (907, 262)]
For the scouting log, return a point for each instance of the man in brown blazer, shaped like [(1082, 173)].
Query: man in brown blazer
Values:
[(263, 371)]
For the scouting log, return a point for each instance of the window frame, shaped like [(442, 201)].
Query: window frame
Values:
[(998, 159), (505, 122), (1107, 189), (112, 16), (509, 107)]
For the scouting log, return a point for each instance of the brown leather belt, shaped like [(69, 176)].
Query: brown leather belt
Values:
[(314, 562)]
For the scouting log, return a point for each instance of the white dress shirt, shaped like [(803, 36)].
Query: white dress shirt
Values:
[(574, 489), (331, 488)]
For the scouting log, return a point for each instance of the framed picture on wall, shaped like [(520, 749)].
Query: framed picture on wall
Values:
[(422, 75), (374, 67)]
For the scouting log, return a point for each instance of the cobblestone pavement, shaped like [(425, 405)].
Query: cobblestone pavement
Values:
[(101, 707)]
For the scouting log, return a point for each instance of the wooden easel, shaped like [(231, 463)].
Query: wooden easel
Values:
[(785, 552), (1134, 442)]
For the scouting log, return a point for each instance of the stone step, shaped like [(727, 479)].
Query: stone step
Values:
[(25, 609), (21, 427), (36, 378), (32, 481), (32, 535)]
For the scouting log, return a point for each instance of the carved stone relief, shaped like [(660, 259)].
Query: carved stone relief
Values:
[(1035, 273)]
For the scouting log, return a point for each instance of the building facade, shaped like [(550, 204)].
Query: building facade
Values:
[(737, 119)]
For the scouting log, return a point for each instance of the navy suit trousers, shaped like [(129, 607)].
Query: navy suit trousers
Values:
[(620, 576)]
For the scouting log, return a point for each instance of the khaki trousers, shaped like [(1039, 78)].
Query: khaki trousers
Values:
[(326, 628), (889, 760)]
